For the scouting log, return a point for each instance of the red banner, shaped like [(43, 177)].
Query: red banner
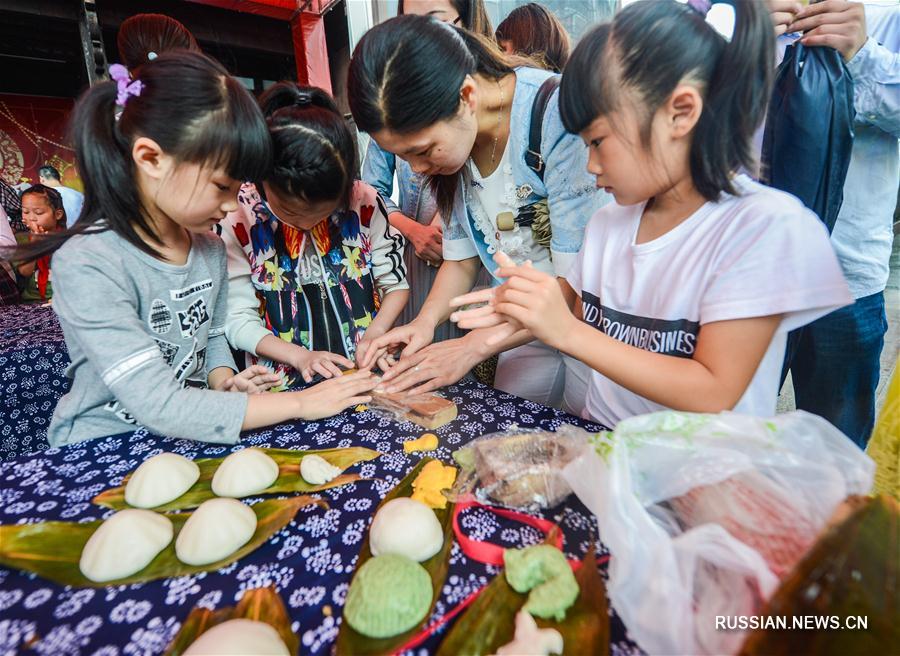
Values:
[(33, 133)]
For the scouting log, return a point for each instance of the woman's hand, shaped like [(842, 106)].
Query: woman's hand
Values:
[(427, 240), (333, 396), (252, 380), (434, 366), (837, 24), (325, 363)]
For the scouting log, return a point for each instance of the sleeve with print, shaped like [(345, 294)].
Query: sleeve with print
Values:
[(388, 266), (99, 312), (777, 259), (244, 328)]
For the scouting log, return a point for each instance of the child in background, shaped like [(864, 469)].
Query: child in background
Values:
[(141, 286), (686, 286), (42, 213), (315, 269)]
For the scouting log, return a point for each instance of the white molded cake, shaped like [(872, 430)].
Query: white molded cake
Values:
[(125, 544), (315, 470), (243, 473), (239, 637), (160, 479), (406, 527), (214, 531)]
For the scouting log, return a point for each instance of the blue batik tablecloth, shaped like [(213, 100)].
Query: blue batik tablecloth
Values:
[(33, 361), (310, 562)]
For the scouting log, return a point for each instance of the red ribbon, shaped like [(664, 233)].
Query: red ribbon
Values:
[(487, 552)]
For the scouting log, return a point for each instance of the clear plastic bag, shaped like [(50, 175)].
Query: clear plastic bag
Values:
[(703, 513), (520, 469), (430, 411)]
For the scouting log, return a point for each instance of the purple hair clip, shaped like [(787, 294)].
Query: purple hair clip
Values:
[(700, 6), (125, 85)]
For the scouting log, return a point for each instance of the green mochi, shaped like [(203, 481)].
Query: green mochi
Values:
[(544, 571), (390, 594)]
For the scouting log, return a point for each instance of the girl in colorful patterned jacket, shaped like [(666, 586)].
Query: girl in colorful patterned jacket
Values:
[(315, 269)]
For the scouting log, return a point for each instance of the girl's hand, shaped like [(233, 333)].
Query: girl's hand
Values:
[(252, 380), (332, 396), (411, 337), (380, 356), (325, 363), (535, 300)]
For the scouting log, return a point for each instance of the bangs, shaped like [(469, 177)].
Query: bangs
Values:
[(586, 89), (235, 139)]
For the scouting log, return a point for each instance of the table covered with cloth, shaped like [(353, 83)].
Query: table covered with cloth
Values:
[(33, 362), (310, 562)]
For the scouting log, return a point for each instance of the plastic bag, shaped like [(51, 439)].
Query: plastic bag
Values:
[(430, 411), (809, 129), (520, 469), (697, 511)]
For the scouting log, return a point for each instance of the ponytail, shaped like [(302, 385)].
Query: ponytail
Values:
[(217, 124), (653, 45), (736, 100), (314, 150)]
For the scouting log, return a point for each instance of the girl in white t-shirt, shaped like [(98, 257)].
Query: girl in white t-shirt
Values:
[(686, 286)]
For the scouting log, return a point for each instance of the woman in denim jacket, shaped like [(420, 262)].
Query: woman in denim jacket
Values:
[(458, 111), (416, 216)]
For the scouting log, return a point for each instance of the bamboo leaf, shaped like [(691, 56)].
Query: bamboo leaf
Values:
[(489, 623), (289, 479), (260, 604), (52, 550), (352, 643), (851, 573)]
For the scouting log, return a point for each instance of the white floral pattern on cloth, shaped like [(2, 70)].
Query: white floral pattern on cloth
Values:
[(33, 362), (311, 561)]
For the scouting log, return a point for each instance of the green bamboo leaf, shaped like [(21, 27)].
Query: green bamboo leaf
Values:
[(260, 604), (352, 643), (52, 550), (289, 479), (489, 623), (852, 571)]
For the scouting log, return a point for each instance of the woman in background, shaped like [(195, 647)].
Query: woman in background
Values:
[(535, 31)]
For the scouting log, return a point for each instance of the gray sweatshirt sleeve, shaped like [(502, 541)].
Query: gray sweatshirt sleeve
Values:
[(98, 311), (218, 353)]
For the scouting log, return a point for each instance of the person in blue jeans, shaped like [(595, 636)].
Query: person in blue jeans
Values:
[(836, 360)]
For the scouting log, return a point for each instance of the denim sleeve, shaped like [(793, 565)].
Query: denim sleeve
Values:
[(876, 81), (378, 171), (572, 192)]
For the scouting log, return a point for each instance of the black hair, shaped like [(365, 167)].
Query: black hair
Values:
[(48, 171), (473, 16), (314, 151), (406, 74), (141, 34), (653, 45), (191, 107), (535, 31), (54, 198)]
